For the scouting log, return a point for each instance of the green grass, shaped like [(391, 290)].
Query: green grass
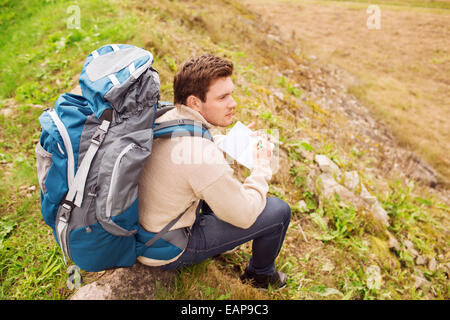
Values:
[(39, 50), (40, 59)]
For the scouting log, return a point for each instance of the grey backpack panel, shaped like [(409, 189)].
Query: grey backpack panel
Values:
[(135, 94), (118, 176)]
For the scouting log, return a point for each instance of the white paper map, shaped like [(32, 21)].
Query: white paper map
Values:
[(238, 144)]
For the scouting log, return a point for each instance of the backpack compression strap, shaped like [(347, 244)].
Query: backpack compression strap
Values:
[(166, 229), (75, 195), (76, 191)]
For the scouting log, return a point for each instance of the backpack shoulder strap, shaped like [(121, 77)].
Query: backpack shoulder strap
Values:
[(181, 127), (177, 128)]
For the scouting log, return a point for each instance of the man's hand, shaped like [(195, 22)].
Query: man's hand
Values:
[(251, 125), (262, 149)]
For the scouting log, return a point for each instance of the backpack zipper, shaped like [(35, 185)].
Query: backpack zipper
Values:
[(114, 177), (92, 194)]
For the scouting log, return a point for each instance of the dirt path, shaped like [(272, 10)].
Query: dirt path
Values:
[(402, 70)]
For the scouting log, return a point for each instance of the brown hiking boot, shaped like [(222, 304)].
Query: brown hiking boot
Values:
[(276, 281)]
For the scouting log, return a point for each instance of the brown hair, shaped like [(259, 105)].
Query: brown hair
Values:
[(197, 74)]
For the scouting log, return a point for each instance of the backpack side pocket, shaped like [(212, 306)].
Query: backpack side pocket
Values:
[(43, 164), (118, 181)]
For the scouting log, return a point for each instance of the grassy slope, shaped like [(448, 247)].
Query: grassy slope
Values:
[(341, 244), (403, 85)]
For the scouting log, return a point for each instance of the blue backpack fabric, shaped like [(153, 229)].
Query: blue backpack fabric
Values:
[(91, 151)]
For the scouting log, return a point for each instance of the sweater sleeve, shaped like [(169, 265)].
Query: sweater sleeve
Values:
[(232, 201)]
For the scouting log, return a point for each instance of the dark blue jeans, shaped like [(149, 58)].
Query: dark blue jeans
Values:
[(211, 236)]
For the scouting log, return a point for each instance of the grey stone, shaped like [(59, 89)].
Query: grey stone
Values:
[(432, 264), (329, 187), (420, 282), (326, 165), (351, 180), (302, 206), (420, 260), (138, 282), (393, 243)]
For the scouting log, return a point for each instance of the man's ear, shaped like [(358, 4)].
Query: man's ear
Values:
[(193, 102)]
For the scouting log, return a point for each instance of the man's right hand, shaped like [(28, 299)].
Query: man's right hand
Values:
[(262, 149)]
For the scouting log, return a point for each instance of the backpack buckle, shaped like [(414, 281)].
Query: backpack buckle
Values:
[(100, 133), (66, 209)]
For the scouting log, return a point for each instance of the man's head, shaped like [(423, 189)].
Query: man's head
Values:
[(204, 84)]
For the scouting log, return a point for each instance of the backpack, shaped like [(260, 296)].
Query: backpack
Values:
[(90, 155)]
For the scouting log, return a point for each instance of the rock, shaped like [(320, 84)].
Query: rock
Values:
[(302, 206), (374, 278), (413, 252), (421, 282), (308, 155), (432, 264), (408, 244), (366, 196), (393, 243), (138, 282), (94, 291), (330, 178), (420, 260), (329, 187), (279, 95), (351, 180), (418, 169), (409, 248), (379, 213), (326, 165)]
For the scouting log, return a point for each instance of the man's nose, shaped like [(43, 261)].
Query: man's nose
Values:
[(233, 103)]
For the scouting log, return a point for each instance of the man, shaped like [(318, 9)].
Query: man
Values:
[(232, 213)]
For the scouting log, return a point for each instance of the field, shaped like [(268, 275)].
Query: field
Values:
[(401, 69), (332, 250)]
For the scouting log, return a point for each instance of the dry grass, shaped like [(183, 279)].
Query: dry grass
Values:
[(317, 267), (402, 70)]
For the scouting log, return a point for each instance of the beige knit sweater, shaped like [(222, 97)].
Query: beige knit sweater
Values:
[(183, 170)]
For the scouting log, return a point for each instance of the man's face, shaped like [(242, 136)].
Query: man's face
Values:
[(219, 103)]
